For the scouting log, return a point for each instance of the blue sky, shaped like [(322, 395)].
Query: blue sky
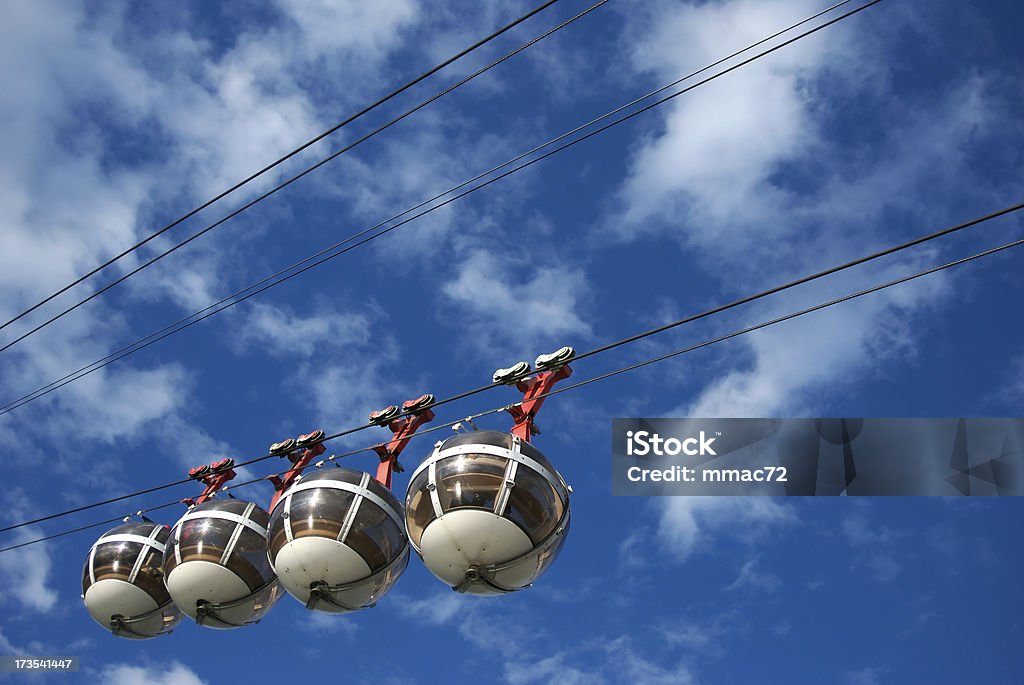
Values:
[(905, 119)]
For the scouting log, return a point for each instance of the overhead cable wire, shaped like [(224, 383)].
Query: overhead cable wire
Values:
[(290, 181), (625, 369), (335, 250), (430, 72), (604, 348)]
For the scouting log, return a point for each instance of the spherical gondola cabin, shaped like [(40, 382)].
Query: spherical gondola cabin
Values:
[(337, 540), (216, 566), (123, 582), (487, 512)]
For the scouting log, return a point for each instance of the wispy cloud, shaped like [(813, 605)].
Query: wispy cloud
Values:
[(173, 673), (25, 579), (722, 177), (752, 579), (864, 676), (875, 546), (512, 307), (688, 524)]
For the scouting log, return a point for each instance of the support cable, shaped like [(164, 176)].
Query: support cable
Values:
[(604, 376), (287, 183), (307, 144), (598, 350), (333, 251)]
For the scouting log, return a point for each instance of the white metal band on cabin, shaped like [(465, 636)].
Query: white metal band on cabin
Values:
[(287, 516), (126, 537), (508, 482), (493, 451), (131, 537), (142, 555), (237, 533), (226, 515), (92, 572), (435, 499), (361, 490), (174, 538), (353, 511)]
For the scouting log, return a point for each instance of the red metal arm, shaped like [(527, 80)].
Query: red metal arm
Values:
[(535, 390), (299, 458), (402, 430), (213, 476)]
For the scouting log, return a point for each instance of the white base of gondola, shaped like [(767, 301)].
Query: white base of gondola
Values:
[(307, 560), (191, 581), (463, 538), (110, 596)]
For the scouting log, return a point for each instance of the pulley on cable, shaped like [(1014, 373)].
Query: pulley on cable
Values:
[(486, 511), (337, 541), (215, 565), (123, 581)]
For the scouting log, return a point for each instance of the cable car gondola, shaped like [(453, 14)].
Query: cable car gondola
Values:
[(216, 567), (487, 512), (123, 583), (337, 540)]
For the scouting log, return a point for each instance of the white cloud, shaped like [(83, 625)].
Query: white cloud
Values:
[(717, 177), (25, 574), (1013, 388), (438, 609), (25, 578), (321, 623), (369, 29), (280, 331), (634, 668), (524, 646), (174, 673), (488, 626), (864, 676), (860, 533), (689, 524), (509, 307), (616, 661), (798, 362), (705, 638), (197, 118), (752, 579), (873, 546), (552, 669)]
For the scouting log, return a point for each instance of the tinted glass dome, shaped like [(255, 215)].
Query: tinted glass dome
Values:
[(224, 545), (521, 505), (122, 582), (336, 540)]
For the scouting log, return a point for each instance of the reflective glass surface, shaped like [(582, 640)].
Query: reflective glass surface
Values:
[(249, 559), (492, 438), (116, 559), (419, 510), (548, 556), (205, 539), (375, 536), (470, 480), (534, 504), (151, 576), (318, 512), (500, 439)]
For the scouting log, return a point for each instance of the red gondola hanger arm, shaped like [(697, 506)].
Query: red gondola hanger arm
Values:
[(534, 391), (551, 368), (417, 412), (299, 451), (213, 476)]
